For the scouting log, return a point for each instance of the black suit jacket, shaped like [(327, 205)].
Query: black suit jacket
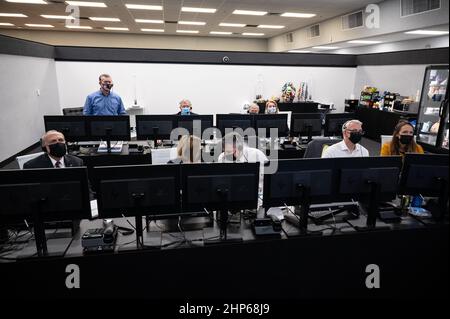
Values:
[(43, 161)]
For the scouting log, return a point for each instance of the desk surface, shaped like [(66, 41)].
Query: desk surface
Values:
[(412, 257)]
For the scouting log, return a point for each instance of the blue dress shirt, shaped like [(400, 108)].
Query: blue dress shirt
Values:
[(99, 104)]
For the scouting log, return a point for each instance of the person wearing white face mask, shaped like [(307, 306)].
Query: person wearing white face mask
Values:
[(104, 101), (185, 108), (272, 107)]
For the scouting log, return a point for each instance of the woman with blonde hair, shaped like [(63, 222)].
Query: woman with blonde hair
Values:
[(272, 107), (188, 150), (402, 141)]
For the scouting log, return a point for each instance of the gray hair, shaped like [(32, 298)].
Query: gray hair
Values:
[(346, 124), (44, 137), (186, 100)]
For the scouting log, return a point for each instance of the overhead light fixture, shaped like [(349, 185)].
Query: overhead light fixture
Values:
[(13, 15), (363, 42), (6, 24), (188, 31), (143, 7), (220, 32), (27, 1), (34, 25), (234, 25), (116, 29), (199, 10), (250, 12), (78, 27), (299, 51), (268, 26), (298, 15), (192, 22), (253, 34), (152, 30), (427, 32), (104, 19), (50, 16), (148, 21), (86, 4), (323, 47)]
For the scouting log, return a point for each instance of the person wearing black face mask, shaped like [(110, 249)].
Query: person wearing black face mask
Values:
[(402, 141), (104, 101), (352, 134), (54, 145)]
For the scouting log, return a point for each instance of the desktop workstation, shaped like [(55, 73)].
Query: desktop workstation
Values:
[(211, 253)]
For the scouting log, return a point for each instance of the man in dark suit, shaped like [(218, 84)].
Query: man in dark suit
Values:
[(54, 144)]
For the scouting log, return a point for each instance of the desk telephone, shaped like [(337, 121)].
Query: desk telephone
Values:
[(100, 239)]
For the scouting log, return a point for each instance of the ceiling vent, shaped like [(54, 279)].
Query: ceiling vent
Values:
[(352, 20), (314, 31), (289, 38), (410, 7)]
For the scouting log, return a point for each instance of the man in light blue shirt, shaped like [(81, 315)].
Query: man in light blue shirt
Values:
[(104, 102)]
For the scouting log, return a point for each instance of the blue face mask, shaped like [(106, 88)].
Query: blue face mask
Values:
[(185, 111)]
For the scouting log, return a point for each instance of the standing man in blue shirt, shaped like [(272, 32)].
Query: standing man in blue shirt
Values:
[(104, 102)]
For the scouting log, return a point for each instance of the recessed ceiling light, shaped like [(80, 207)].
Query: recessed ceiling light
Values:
[(250, 12), (188, 31), (427, 32), (235, 25), (220, 32), (152, 30), (268, 26), (363, 42), (27, 1), (13, 15), (323, 47), (50, 16), (78, 27), (253, 34), (298, 15), (299, 51), (192, 22), (34, 25), (148, 21), (104, 19), (116, 29), (200, 10), (143, 7), (86, 4), (6, 24)]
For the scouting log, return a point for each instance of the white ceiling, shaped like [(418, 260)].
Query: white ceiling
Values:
[(324, 9)]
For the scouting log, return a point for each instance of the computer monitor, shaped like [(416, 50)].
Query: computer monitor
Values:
[(233, 121), (370, 180), (427, 175), (268, 121), (306, 124), (300, 182), (138, 191), (46, 194), (221, 187), (204, 122), (112, 128), (73, 127), (155, 126), (334, 123)]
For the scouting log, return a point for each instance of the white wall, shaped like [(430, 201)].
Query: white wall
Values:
[(21, 122), (402, 79), (211, 88)]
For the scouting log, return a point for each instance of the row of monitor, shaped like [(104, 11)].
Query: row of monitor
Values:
[(155, 189), (90, 128)]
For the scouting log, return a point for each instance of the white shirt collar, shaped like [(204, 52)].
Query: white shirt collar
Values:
[(345, 148), (54, 161)]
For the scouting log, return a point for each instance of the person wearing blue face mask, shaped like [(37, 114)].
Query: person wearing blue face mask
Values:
[(104, 101), (185, 108)]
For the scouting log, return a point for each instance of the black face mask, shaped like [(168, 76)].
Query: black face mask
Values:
[(107, 86), (58, 149), (355, 137), (406, 139)]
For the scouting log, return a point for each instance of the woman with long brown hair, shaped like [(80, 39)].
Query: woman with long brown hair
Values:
[(402, 141)]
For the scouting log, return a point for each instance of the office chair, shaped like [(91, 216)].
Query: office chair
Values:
[(25, 158), (315, 148), (72, 111)]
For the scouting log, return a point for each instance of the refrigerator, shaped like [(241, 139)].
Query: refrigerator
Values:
[(432, 123)]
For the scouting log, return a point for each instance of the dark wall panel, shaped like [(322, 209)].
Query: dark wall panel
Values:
[(14, 46), (426, 56)]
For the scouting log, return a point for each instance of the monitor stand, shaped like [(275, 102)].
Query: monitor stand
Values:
[(224, 232)]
